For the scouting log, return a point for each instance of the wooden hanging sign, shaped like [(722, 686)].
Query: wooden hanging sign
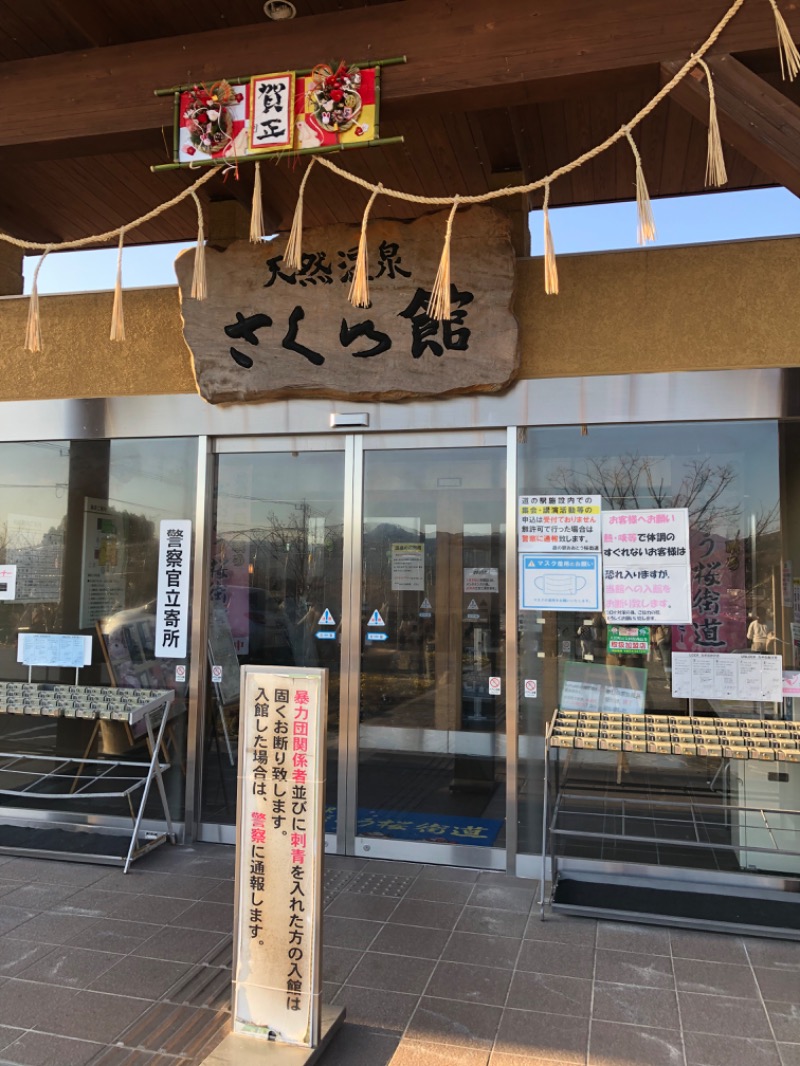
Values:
[(266, 331)]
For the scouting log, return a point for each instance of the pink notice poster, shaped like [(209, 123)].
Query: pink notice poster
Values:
[(719, 613)]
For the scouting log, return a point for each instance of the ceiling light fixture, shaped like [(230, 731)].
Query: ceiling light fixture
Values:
[(279, 10)]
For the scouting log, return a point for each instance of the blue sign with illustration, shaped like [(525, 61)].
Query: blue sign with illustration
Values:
[(559, 582)]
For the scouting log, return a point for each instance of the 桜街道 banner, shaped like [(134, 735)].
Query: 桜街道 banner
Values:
[(646, 567), (280, 827)]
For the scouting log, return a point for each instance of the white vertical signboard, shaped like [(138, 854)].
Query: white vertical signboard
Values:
[(172, 605), (646, 567), (280, 835)]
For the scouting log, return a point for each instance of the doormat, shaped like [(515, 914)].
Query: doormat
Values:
[(411, 825)]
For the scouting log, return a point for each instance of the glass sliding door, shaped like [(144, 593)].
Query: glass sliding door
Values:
[(431, 744), (276, 597)]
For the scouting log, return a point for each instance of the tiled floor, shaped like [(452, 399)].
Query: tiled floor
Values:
[(436, 966)]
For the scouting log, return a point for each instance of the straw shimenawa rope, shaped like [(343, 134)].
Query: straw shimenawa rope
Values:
[(790, 64)]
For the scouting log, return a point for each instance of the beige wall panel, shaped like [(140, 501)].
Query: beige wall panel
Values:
[(698, 308), (707, 307)]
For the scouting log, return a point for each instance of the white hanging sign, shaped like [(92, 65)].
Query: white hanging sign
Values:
[(172, 605)]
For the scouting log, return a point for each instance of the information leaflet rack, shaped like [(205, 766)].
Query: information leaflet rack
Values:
[(605, 811), (33, 776)]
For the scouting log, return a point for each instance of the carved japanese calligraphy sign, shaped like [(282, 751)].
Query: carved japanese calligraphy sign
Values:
[(266, 331)]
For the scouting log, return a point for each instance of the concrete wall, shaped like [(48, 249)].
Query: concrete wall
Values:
[(704, 307)]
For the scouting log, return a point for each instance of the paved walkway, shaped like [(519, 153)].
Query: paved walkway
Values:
[(436, 967)]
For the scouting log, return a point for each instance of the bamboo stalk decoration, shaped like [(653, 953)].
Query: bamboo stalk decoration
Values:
[(787, 49), (716, 174), (550, 267), (359, 288), (293, 255), (117, 317), (646, 226), (33, 331), (439, 307), (199, 282), (257, 210)]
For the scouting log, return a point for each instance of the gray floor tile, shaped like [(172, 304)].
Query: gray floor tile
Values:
[(561, 928), (705, 1050), (88, 1015), (569, 960), (43, 1049), (623, 936), (147, 978), (785, 1018), (16, 955), (503, 898), (428, 915), (544, 1035), (56, 873), (37, 897), (22, 1004), (70, 966), (715, 978), (375, 1008), (546, 992), (8, 1035), (789, 1053), (413, 1053), (179, 945), (222, 892), (141, 908), (217, 917), (349, 863), (470, 983), (445, 1021), (337, 963), (779, 954), (409, 940), (114, 934), (782, 985), (655, 1007), (631, 968), (355, 1045), (723, 1015), (613, 1045), (50, 928), (438, 890), (90, 902), (714, 947), (13, 918), (356, 905), (482, 950), (492, 922), (349, 932), (174, 885), (392, 972), (450, 873)]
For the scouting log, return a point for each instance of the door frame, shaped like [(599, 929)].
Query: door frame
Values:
[(345, 841)]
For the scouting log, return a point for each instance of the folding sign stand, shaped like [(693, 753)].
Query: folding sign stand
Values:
[(278, 1016)]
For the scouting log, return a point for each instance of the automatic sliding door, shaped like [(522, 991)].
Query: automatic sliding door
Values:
[(431, 756), (276, 595)]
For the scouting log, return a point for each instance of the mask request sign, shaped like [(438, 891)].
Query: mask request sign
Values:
[(268, 331)]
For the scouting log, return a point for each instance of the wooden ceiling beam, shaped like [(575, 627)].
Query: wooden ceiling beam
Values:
[(758, 121), (466, 51)]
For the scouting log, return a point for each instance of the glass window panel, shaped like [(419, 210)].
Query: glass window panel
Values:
[(727, 476)]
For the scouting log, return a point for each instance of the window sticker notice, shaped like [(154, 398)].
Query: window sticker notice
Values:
[(559, 582)]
